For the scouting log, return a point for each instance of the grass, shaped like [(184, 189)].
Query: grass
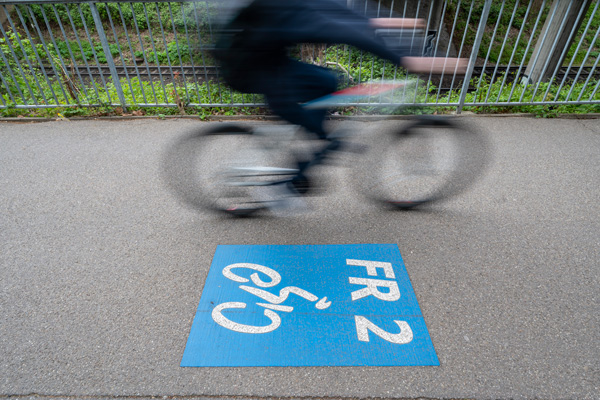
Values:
[(181, 95), (516, 24), (77, 99)]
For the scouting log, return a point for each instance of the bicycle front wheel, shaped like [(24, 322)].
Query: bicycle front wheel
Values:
[(429, 160)]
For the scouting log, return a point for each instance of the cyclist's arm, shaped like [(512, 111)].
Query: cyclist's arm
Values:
[(346, 27), (326, 21), (435, 65), (397, 23)]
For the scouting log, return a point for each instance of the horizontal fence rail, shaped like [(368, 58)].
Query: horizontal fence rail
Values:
[(131, 54)]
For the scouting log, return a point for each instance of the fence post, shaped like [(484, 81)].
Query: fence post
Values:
[(3, 17), (480, 32), (556, 34), (109, 59)]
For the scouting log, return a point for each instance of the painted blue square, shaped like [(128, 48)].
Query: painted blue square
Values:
[(309, 305)]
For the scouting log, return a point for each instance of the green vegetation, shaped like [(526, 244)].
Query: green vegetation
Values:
[(517, 22), (161, 33), (135, 91), (524, 94), (143, 15), (86, 52), (182, 94), (359, 66), (31, 87)]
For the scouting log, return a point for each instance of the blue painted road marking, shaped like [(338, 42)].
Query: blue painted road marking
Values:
[(310, 305)]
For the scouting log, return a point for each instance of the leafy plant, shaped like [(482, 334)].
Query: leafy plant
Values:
[(191, 15), (516, 29)]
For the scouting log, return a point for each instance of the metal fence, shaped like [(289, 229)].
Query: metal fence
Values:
[(74, 53)]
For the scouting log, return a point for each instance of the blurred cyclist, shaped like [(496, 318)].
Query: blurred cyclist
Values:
[(253, 53)]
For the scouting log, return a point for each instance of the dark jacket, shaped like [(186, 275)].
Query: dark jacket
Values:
[(256, 41)]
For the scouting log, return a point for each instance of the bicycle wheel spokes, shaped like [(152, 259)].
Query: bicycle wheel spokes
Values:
[(230, 170)]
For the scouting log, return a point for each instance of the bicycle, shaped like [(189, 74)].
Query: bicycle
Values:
[(239, 169)]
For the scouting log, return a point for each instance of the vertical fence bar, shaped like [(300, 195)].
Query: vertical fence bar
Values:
[(525, 78), (512, 56), (587, 81), (137, 71), (428, 25), (83, 55), (478, 38), (501, 50), (137, 30), (63, 69), (537, 56), (436, 49), (162, 32), (462, 44), (547, 63), (56, 62), (391, 14), (37, 55), (421, 48), (595, 91), (155, 52), (109, 59), (26, 57), (589, 75), (8, 91), (49, 55), (112, 26), (584, 85), (211, 39), (183, 77), (94, 53), (449, 47), (5, 83), (406, 75), (563, 55), (581, 40), (201, 46), (190, 52), (75, 70), (10, 69)]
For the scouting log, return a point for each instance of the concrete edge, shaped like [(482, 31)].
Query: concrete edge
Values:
[(222, 118)]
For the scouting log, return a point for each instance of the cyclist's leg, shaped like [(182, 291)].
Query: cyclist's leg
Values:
[(295, 83)]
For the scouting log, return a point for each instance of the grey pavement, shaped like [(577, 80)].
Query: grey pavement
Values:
[(101, 268)]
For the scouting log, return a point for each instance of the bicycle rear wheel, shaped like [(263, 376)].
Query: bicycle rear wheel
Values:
[(222, 168), (429, 160)]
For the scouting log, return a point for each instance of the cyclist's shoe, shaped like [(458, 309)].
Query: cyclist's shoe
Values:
[(301, 184)]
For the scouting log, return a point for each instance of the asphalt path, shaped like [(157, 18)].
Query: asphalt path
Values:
[(102, 268)]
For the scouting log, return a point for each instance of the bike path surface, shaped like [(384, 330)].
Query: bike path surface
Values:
[(102, 268)]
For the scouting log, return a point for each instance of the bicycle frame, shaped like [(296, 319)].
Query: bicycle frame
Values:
[(362, 91), (367, 90)]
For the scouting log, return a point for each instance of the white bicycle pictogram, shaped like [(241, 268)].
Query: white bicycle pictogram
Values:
[(273, 302)]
